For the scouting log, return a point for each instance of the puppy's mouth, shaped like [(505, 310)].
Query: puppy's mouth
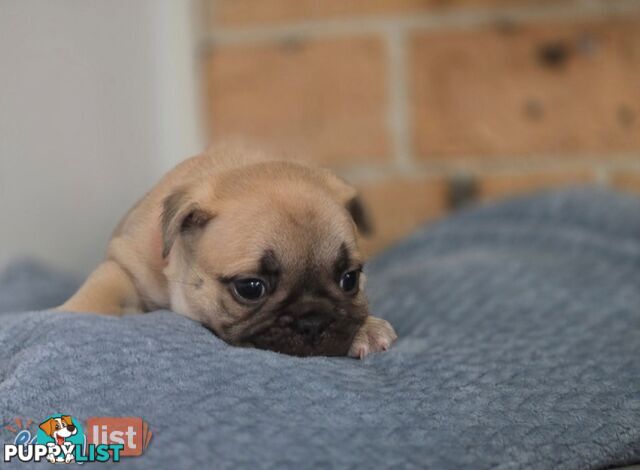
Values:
[(307, 336)]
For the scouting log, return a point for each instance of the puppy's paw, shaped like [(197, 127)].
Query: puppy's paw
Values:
[(374, 336)]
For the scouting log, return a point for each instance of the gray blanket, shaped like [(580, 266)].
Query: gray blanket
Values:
[(519, 347)]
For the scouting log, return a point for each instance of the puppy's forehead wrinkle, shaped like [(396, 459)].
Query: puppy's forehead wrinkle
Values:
[(288, 221), (269, 264)]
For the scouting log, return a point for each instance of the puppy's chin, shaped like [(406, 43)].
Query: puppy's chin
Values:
[(281, 337)]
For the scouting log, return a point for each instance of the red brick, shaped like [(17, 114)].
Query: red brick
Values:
[(399, 205), (559, 87), (628, 180), (324, 98)]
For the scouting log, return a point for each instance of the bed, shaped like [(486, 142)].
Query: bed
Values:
[(519, 327)]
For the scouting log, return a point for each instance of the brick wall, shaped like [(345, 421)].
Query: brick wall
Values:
[(425, 104)]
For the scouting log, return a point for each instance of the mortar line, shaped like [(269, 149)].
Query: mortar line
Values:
[(481, 168), (426, 21), (397, 97)]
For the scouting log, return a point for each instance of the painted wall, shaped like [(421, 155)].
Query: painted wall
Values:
[(97, 100)]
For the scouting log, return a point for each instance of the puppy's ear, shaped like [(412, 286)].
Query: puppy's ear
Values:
[(181, 215), (360, 215), (67, 419), (48, 426), (348, 196)]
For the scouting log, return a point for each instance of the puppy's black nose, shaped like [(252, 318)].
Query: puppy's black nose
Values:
[(70, 427), (311, 326)]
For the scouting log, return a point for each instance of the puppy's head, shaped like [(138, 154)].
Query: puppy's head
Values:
[(59, 427), (267, 256)]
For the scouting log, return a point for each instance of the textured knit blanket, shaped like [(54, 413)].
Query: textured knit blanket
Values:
[(519, 347)]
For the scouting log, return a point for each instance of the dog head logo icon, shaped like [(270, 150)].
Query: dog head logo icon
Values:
[(59, 428), (61, 434)]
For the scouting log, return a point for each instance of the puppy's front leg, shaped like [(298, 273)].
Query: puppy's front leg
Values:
[(109, 289), (375, 335)]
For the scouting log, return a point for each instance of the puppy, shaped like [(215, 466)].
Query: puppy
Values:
[(262, 252), (59, 429)]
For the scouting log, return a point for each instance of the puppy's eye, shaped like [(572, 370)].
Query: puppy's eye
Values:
[(249, 290), (349, 282)]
